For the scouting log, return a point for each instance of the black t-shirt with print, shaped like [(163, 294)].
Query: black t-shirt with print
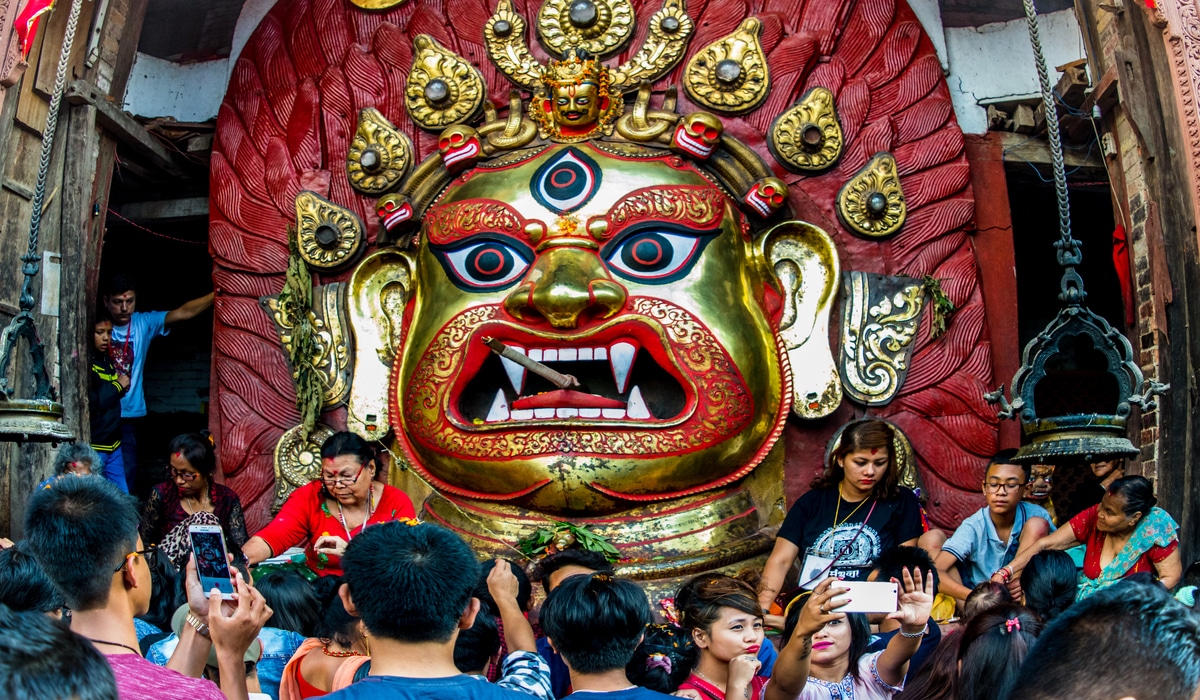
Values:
[(810, 526)]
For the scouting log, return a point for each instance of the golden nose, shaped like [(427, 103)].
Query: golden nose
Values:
[(565, 285)]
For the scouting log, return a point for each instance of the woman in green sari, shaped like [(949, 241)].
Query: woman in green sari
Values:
[(1124, 534)]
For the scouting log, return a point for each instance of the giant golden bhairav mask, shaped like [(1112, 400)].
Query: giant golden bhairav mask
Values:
[(639, 277)]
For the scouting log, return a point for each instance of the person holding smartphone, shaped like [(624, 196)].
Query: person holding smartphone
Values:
[(333, 510), (855, 511)]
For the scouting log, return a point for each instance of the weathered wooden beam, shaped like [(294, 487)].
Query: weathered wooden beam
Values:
[(125, 128), (189, 208), (1018, 149)]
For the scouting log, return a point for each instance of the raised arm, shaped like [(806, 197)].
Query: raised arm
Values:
[(916, 602), (1062, 538), (791, 668), (189, 310), (504, 587)]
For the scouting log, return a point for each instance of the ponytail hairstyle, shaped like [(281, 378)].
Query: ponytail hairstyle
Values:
[(1138, 493), (1049, 582), (869, 434), (994, 645), (985, 596), (335, 625), (664, 659)]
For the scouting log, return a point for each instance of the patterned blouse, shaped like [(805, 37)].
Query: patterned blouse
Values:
[(164, 512)]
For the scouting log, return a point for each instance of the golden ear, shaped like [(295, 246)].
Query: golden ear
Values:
[(805, 263), (377, 293)]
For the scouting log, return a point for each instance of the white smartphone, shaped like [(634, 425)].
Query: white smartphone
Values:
[(208, 544), (866, 597)]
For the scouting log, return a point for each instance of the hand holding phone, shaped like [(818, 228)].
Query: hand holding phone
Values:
[(212, 562), (867, 597)]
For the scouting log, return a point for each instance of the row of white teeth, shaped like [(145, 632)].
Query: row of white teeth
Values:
[(635, 409), (620, 358)]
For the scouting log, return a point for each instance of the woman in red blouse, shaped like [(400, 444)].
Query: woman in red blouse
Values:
[(330, 511), (1124, 534)]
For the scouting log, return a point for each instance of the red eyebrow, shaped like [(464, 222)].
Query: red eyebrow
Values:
[(697, 206), (448, 223)]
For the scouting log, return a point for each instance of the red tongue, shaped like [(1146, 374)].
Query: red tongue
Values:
[(566, 398)]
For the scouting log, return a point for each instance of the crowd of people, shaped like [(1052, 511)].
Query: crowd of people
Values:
[(102, 598)]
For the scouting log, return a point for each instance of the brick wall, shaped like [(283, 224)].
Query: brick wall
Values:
[(178, 383)]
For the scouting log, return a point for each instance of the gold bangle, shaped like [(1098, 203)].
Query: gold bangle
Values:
[(200, 627)]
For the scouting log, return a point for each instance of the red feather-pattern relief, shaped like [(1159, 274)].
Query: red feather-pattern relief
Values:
[(311, 65)]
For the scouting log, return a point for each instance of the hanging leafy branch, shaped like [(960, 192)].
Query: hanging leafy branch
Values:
[(943, 308), (560, 536), (295, 302)]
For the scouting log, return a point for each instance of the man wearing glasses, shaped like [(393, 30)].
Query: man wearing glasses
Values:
[(988, 539)]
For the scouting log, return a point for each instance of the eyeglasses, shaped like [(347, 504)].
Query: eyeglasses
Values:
[(342, 480), (996, 486), (149, 553), (186, 476)]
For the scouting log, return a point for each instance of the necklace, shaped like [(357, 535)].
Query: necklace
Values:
[(114, 644), (370, 511), (340, 654), (838, 509)]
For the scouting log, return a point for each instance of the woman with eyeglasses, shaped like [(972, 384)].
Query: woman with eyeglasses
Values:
[(191, 497), (329, 512)]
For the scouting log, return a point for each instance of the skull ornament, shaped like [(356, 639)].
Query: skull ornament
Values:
[(766, 196), (395, 212), (697, 134), (460, 147)]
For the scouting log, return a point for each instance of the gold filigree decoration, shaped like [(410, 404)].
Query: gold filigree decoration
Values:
[(297, 461), (576, 102), (601, 27), (511, 158), (442, 89), (515, 131), (730, 75), (808, 137), (333, 355), (644, 124), (806, 267), (504, 37), (328, 236), (380, 155), (872, 204), (378, 4), (670, 30), (880, 317)]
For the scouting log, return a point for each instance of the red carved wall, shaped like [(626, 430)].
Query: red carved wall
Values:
[(291, 109)]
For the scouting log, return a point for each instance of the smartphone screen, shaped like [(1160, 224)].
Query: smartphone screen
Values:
[(208, 544)]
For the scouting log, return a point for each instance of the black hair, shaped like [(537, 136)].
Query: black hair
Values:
[(166, 592), (293, 602), (596, 621), (119, 284), (24, 585), (860, 633), (101, 315), (1050, 583), (1138, 493), (1130, 639), (937, 678), (984, 596), (77, 452), (347, 443), (335, 624), (699, 601), (866, 434), (431, 565), (42, 659), (1006, 457), (890, 564), (664, 659), (476, 646), (80, 530), (584, 558), (198, 452), (994, 644), (524, 587)]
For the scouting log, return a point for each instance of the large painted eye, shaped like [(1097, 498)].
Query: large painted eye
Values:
[(656, 256), (483, 265)]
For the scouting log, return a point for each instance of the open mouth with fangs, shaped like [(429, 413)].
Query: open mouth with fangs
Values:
[(619, 380)]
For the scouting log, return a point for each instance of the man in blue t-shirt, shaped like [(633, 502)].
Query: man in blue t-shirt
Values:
[(132, 332), (988, 539), (412, 585)]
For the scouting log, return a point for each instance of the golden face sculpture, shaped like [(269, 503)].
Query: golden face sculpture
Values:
[(624, 267), (577, 105)]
